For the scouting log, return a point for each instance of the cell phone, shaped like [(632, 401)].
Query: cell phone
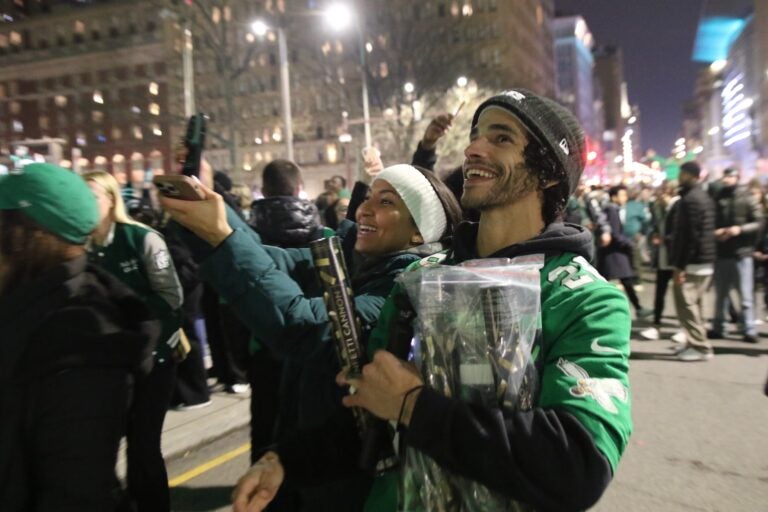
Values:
[(194, 141), (178, 186)]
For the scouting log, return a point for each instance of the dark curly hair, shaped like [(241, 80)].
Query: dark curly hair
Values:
[(538, 160)]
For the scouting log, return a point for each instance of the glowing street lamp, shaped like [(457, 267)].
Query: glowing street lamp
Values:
[(339, 17)]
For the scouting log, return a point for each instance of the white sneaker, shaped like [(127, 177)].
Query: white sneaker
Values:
[(184, 407), (237, 389), (679, 337), (690, 354), (650, 334)]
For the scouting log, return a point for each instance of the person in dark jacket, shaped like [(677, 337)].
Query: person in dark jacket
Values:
[(72, 337), (524, 159), (282, 218), (693, 256), (738, 221), (407, 215), (614, 261)]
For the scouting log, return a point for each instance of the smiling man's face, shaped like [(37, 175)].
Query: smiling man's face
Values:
[(494, 169)]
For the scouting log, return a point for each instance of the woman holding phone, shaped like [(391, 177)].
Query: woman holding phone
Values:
[(408, 214)]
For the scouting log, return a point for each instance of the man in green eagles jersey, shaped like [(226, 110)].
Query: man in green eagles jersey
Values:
[(525, 157)]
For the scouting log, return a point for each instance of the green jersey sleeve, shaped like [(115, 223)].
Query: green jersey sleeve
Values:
[(585, 351)]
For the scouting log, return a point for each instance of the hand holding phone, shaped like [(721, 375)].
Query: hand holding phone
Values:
[(177, 186)]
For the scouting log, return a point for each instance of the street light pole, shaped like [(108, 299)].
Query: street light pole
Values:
[(364, 73), (285, 91)]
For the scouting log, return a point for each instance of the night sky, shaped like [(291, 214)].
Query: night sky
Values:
[(657, 39)]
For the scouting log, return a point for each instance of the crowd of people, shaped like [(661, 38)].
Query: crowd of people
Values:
[(106, 312), (701, 235)]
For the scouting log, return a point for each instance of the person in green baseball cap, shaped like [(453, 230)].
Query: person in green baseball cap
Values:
[(72, 338), (54, 204)]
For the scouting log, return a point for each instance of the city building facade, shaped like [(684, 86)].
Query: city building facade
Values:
[(108, 77)]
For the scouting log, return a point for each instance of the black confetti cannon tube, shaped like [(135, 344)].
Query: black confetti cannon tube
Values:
[(339, 301)]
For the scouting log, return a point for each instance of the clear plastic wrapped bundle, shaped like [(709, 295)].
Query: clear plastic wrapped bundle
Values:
[(477, 323)]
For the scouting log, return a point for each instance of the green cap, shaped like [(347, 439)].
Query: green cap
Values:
[(57, 199)]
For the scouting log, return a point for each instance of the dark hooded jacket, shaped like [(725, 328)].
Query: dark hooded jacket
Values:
[(70, 345), (286, 221)]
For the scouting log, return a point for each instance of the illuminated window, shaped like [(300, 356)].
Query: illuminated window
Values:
[(118, 165), (97, 116), (80, 139), (137, 162), (15, 107), (18, 127), (117, 133), (332, 153), (79, 27), (100, 163), (156, 130), (154, 109), (15, 38), (156, 160), (154, 89), (216, 15), (3, 41), (97, 97), (44, 122), (137, 134), (466, 9), (455, 9), (326, 48)]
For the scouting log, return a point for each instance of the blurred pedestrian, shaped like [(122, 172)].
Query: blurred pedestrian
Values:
[(72, 337), (663, 219), (693, 257), (738, 221), (614, 261)]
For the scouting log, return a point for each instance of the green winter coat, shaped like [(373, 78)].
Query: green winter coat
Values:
[(275, 292)]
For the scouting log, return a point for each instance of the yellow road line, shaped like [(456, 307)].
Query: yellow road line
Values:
[(202, 468)]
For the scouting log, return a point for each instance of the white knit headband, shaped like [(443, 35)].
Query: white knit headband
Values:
[(419, 197)]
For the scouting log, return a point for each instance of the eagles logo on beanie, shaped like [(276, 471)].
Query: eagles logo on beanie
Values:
[(551, 124)]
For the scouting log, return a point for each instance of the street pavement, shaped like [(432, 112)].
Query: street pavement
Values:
[(188, 431), (700, 441)]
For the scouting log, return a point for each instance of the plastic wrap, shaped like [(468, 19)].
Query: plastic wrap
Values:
[(476, 326)]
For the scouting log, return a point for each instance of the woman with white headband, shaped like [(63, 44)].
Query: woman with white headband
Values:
[(408, 214)]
